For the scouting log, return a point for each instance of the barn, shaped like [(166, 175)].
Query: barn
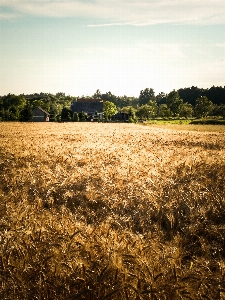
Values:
[(40, 115), (89, 106)]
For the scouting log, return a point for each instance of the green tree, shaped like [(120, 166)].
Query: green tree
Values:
[(215, 111), (190, 94), (82, 116), (186, 110), (222, 111), (153, 108), (132, 112), (174, 103), (97, 94), (161, 98), (111, 98), (123, 101), (144, 112), (146, 95), (147, 111), (76, 117), (66, 114), (216, 94), (129, 110), (12, 100), (109, 109), (202, 107), (43, 103), (14, 113), (54, 112), (60, 96), (164, 111), (11, 106), (26, 114), (132, 115)]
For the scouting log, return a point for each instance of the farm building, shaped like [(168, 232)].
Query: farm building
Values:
[(89, 106), (40, 115)]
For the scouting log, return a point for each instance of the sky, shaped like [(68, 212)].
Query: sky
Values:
[(79, 46)]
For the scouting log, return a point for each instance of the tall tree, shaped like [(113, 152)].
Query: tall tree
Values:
[(161, 98), (216, 94), (66, 114), (109, 109), (130, 110), (164, 111), (26, 114), (186, 110), (123, 101), (145, 112), (202, 107), (109, 97), (97, 94), (190, 95), (54, 112), (174, 103), (146, 95)]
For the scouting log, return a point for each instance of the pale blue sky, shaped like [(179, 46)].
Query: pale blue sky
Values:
[(125, 46)]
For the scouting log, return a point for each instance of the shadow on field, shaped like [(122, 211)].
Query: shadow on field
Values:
[(87, 240), (190, 204)]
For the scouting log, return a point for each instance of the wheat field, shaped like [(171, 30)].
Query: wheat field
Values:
[(111, 211)]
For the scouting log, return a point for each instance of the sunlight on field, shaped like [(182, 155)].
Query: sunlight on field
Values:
[(190, 127), (111, 211)]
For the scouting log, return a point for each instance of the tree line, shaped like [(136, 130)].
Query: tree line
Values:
[(185, 103)]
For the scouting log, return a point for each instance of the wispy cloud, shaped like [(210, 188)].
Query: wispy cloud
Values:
[(106, 24), (8, 16), (117, 12), (221, 45)]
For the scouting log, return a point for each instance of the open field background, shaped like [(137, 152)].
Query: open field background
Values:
[(111, 211)]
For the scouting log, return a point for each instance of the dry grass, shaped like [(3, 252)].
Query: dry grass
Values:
[(191, 127), (111, 211)]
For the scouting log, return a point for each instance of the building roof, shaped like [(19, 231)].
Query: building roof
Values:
[(44, 111), (90, 107), (89, 100)]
